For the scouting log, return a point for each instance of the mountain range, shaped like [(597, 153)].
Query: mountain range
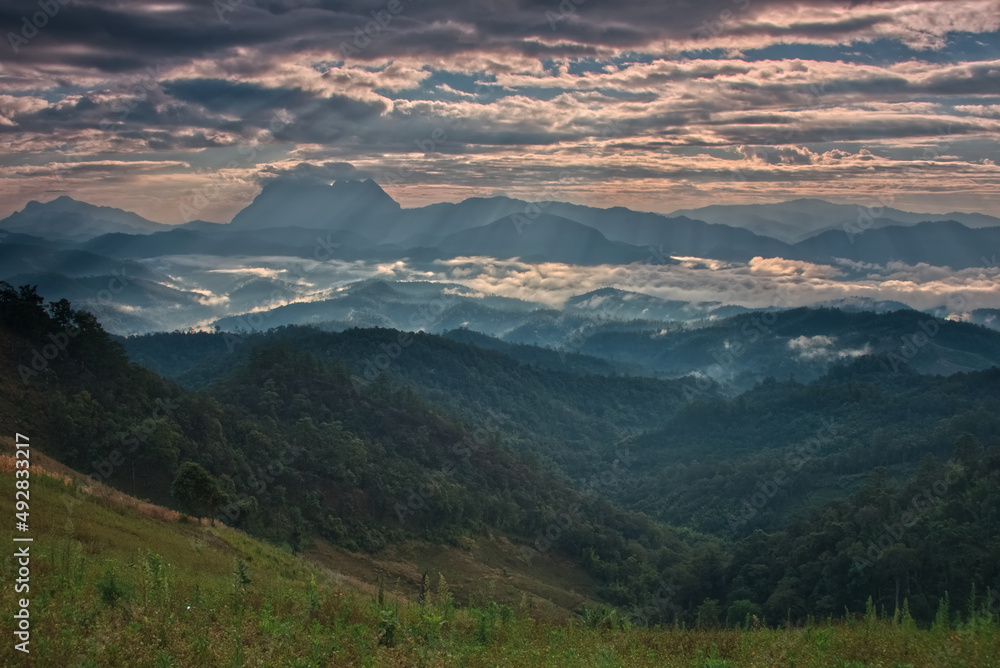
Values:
[(282, 257), (67, 219), (800, 219), (296, 217)]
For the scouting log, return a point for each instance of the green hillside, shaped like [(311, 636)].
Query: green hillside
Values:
[(117, 582), (290, 450)]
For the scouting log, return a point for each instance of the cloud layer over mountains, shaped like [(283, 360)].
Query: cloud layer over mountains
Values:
[(303, 242)]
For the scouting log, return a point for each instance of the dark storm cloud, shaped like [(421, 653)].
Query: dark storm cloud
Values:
[(846, 26), (123, 35), (123, 117), (326, 172), (120, 35), (844, 129), (981, 79), (222, 95)]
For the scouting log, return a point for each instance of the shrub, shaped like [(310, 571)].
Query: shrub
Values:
[(110, 590)]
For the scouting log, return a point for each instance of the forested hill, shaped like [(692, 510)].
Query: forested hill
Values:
[(700, 454), (286, 438), (288, 448), (571, 418), (802, 342), (823, 438), (709, 462)]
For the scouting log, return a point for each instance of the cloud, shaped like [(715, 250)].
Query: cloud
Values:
[(812, 347), (785, 284), (802, 155), (327, 172), (776, 266), (11, 107), (551, 284), (661, 106), (823, 348)]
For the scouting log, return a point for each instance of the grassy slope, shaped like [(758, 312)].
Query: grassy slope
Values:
[(118, 582)]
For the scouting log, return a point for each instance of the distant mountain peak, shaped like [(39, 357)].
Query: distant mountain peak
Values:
[(368, 185), (285, 201), (366, 189), (65, 201), (62, 201), (339, 188), (795, 220), (68, 219)]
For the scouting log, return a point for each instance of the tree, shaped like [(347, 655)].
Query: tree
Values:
[(968, 450), (708, 614), (197, 490), (742, 612)]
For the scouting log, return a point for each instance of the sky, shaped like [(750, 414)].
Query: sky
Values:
[(182, 109)]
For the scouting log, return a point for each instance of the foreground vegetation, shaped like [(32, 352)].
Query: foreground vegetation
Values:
[(121, 583)]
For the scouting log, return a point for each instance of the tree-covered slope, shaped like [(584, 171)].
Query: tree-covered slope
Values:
[(288, 447), (573, 418), (821, 438), (287, 440)]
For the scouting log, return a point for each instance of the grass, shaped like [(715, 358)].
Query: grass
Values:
[(124, 584)]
